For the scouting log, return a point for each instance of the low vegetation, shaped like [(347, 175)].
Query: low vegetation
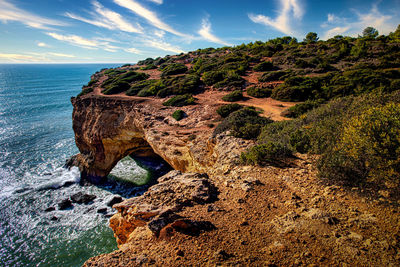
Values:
[(180, 101), (233, 96), (178, 114)]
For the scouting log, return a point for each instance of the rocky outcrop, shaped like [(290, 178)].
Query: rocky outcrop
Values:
[(110, 128), (157, 208)]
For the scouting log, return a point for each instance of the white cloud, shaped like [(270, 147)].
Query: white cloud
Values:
[(41, 44), (156, 1), (149, 15), (161, 45), (74, 40), (19, 57), (108, 19), (353, 27), (61, 55), (133, 50), (9, 12), (205, 32), (84, 43), (283, 22), (159, 33)]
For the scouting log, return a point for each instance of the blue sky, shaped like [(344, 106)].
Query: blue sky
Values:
[(125, 31)]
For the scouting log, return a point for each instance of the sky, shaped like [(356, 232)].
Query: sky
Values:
[(125, 31)]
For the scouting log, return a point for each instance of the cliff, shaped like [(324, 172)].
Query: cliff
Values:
[(110, 128)]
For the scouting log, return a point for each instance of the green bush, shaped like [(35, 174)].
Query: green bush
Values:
[(180, 101), (178, 114), (244, 123), (274, 76), (260, 92), (225, 110), (138, 86), (269, 153), (369, 147), (85, 90), (233, 96), (149, 67), (116, 88), (222, 79), (133, 76), (187, 84), (301, 108), (264, 66), (174, 68)]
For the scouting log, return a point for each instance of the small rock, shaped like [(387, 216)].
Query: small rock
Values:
[(50, 209), (221, 255), (82, 198), (102, 210), (65, 204), (54, 218), (240, 200), (114, 200), (244, 223)]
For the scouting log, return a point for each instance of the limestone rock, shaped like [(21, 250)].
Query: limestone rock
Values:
[(156, 208)]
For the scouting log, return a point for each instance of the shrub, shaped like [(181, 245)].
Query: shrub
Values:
[(85, 90), (180, 101), (233, 96), (116, 88), (269, 153), (260, 92), (149, 67), (264, 66), (179, 85), (369, 148), (212, 77), (151, 89), (138, 86), (225, 110), (301, 108), (178, 114), (133, 76), (174, 68), (273, 76), (244, 123)]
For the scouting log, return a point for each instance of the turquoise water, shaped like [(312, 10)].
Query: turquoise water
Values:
[(36, 138)]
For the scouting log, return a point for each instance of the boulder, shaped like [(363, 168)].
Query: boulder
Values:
[(82, 198), (65, 204), (115, 200)]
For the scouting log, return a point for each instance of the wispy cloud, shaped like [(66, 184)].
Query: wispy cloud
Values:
[(84, 42), (108, 19), (20, 57), (290, 9), (133, 50), (161, 45), (9, 12), (156, 1), (61, 55), (149, 15), (344, 26), (41, 44), (74, 40), (206, 33)]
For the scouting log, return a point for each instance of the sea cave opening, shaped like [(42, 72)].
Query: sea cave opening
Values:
[(136, 171)]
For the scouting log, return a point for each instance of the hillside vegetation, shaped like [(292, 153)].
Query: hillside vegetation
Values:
[(347, 88)]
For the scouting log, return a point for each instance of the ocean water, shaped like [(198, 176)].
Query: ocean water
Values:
[(36, 138)]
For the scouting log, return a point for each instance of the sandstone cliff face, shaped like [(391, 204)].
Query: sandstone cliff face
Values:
[(110, 128)]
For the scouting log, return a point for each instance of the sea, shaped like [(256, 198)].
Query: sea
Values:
[(36, 138)]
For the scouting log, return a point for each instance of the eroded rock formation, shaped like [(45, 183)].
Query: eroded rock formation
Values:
[(108, 129)]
